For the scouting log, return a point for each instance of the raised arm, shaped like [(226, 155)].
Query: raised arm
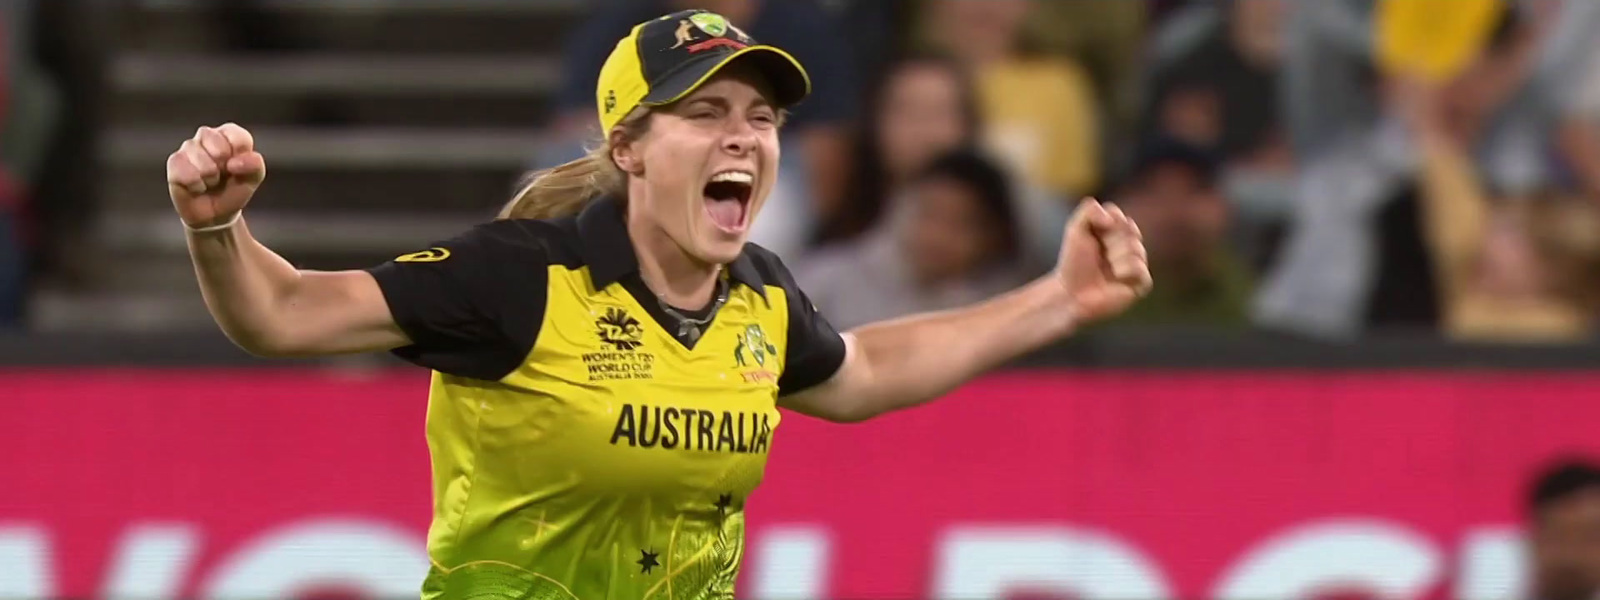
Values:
[(906, 362), (1456, 209), (263, 303)]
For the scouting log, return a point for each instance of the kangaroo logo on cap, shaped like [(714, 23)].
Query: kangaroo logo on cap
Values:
[(611, 100), (711, 23)]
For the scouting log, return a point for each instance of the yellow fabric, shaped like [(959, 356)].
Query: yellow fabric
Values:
[(1434, 39), (622, 83), (1041, 117), (614, 463)]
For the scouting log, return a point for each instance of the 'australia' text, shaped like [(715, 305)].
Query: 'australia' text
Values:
[(673, 428)]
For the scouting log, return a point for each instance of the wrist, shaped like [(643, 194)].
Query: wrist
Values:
[(1055, 311), (215, 226)]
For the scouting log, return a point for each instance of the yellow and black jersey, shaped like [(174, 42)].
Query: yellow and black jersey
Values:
[(580, 447)]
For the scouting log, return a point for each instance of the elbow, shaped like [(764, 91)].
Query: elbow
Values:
[(849, 414), (846, 418), (262, 342), (260, 347)]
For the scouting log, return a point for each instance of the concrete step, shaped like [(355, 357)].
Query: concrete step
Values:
[(311, 240), (476, 91), (188, 110), (290, 75), (313, 189), (175, 310), (396, 27), (384, 148)]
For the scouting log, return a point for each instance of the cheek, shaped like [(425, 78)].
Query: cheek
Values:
[(899, 138), (772, 152)]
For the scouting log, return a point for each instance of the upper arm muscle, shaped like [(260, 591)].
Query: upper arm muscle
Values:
[(336, 312), (836, 399)]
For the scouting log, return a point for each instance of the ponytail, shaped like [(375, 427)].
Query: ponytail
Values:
[(565, 189)]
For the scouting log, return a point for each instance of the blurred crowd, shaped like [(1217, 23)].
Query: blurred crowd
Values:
[(1286, 174)]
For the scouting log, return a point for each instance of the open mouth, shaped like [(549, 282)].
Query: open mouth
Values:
[(728, 199)]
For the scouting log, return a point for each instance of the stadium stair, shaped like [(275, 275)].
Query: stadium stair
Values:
[(387, 125)]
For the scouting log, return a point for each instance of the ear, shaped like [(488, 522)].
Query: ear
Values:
[(626, 153)]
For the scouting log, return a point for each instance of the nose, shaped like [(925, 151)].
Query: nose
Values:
[(740, 139)]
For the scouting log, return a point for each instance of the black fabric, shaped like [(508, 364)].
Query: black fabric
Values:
[(668, 323), (788, 87), (1404, 296), (675, 52), (816, 350), (475, 311), (608, 251)]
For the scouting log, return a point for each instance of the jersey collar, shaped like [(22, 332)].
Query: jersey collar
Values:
[(609, 252)]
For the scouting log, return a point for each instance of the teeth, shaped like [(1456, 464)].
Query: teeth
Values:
[(734, 176)]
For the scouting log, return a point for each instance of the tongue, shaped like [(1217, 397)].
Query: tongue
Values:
[(726, 213)]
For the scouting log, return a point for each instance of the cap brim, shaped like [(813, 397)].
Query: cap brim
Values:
[(789, 81)]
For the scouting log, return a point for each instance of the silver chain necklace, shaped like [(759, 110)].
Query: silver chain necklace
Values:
[(691, 329)]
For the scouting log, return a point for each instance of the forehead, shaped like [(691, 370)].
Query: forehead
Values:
[(1582, 505)]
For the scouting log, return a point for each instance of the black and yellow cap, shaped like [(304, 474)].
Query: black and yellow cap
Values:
[(664, 59)]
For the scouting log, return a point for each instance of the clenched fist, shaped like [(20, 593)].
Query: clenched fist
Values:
[(213, 175), (1103, 262)]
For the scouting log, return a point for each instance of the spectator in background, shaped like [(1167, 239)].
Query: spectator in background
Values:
[(1512, 268), (1171, 192), (1039, 111), (30, 116), (951, 239), (1355, 258), (817, 131), (922, 107), (1564, 532), (1222, 91), (1108, 39), (1215, 84)]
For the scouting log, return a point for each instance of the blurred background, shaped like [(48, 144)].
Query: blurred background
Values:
[(1369, 367)]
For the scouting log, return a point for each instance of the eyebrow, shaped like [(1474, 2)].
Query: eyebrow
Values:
[(712, 100), (722, 103)]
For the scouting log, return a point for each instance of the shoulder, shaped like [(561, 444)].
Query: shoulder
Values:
[(522, 241), (771, 268)]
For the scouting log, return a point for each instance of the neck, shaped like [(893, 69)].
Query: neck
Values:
[(678, 278)]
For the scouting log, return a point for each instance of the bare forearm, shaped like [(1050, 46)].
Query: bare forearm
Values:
[(244, 283), (914, 360)]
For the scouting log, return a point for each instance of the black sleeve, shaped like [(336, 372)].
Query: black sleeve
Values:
[(471, 305), (816, 350)]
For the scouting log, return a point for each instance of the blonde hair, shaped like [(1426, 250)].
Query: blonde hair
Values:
[(565, 189)]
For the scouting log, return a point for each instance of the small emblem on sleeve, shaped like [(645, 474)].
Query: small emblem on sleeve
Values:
[(429, 255)]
